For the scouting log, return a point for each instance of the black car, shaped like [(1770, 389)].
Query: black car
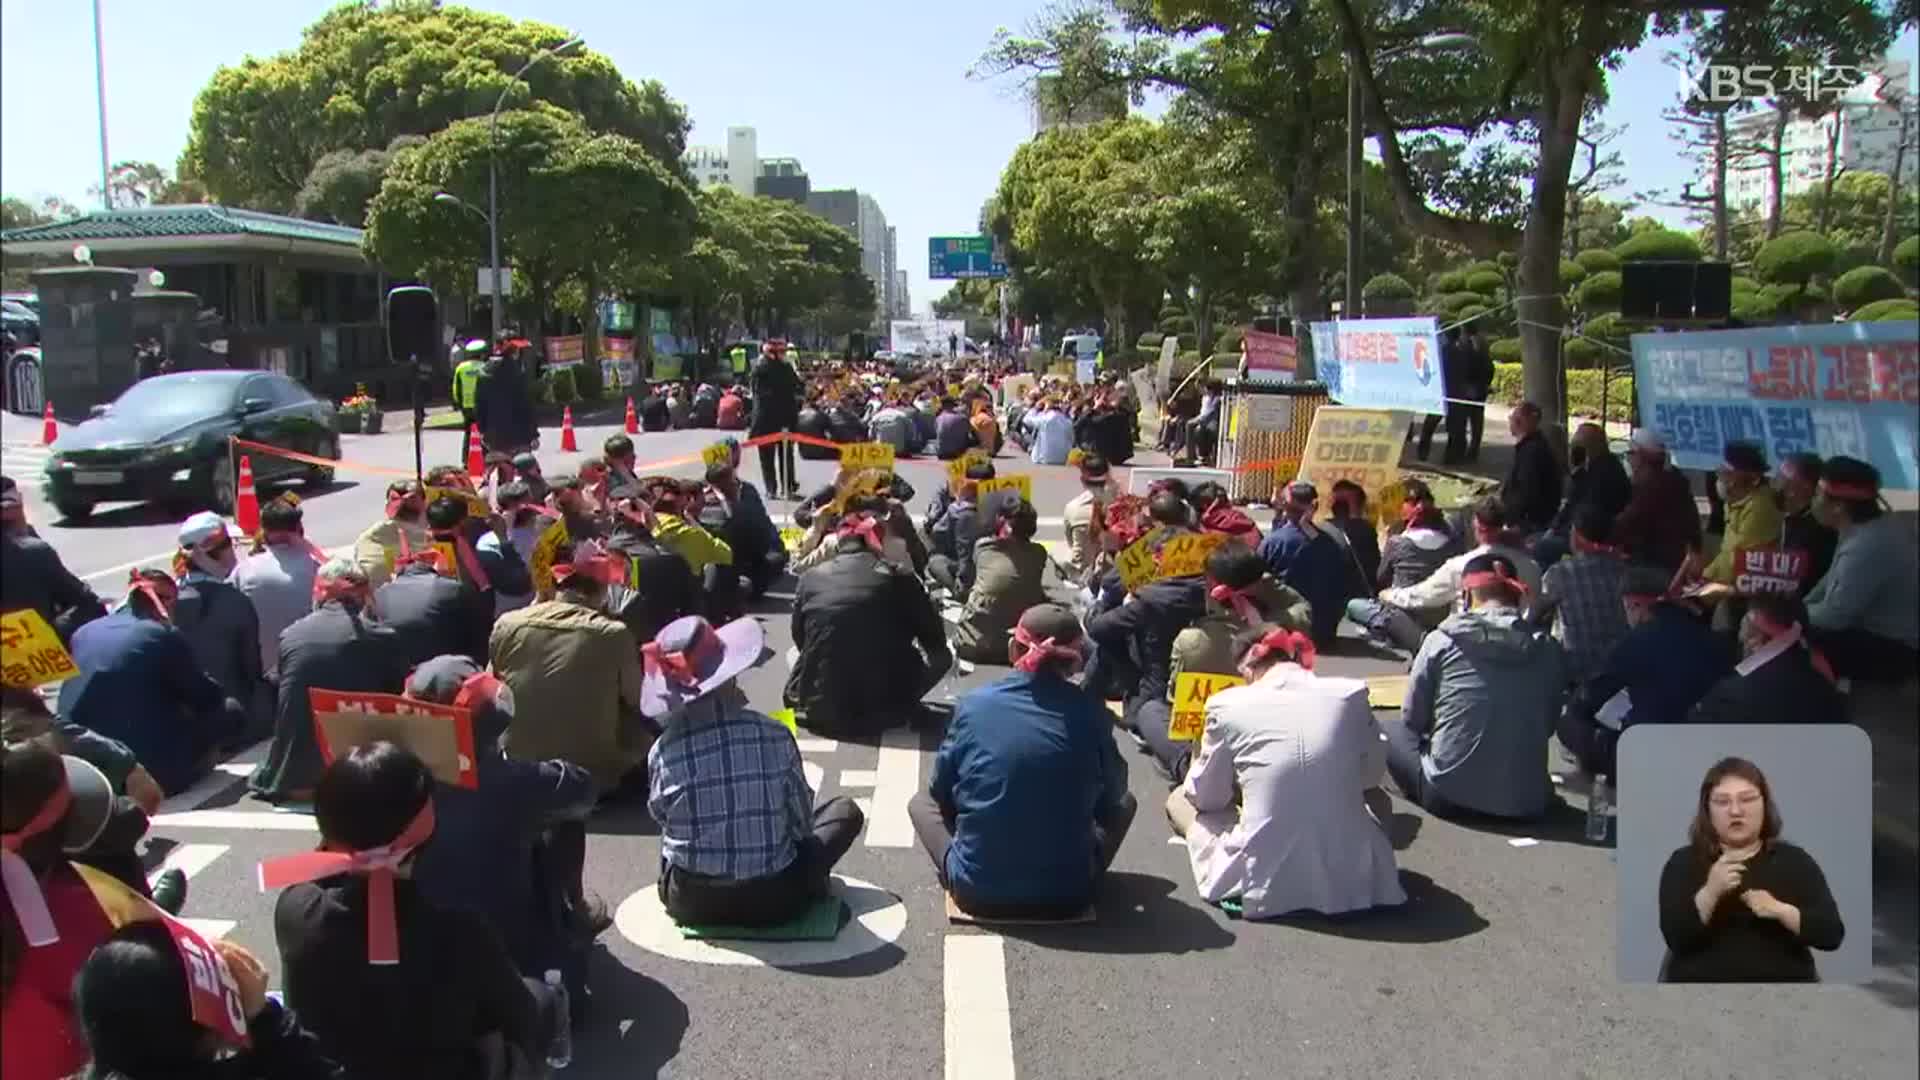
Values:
[(165, 439)]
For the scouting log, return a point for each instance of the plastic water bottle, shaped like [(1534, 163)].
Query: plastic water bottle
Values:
[(1599, 810), (560, 1048)]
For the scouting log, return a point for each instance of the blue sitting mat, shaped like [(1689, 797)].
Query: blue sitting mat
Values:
[(820, 922)]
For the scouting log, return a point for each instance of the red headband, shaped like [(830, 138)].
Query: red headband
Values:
[(1240, 600), (1041, 650), (1289, 644), (683, 666), (162, 606), (1852, 492), (862, 526), (22, 887), (599, 567), (376, 864), (1497, 576), (1787, 634)]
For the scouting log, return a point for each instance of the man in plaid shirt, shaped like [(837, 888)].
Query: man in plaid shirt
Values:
[(1580, 596), (742, 843)]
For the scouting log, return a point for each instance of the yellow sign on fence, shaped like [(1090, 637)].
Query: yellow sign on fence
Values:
[(30, 652), (1191, 689)]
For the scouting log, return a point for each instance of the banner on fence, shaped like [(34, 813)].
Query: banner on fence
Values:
[(1271, 358), (1846, 388), (1381, 363)]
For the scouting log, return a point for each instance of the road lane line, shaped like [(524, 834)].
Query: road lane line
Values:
[(896, 776), (858, 777), (236, 819), (211, 929), (979, 1022), (816, 775), (809, 745), (189, 859)]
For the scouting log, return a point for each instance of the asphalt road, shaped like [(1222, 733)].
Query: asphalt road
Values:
[(1501, 965)]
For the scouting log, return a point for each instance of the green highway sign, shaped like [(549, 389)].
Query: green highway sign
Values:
[(950, 257)]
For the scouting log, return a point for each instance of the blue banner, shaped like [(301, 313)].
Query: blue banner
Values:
[(1381, 363), (1845, 388)]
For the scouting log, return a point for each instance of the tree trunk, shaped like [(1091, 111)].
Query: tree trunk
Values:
[(1571, 245), (1720, 223), (1304, 300), (590, 321), (1776, 171), (1889, 232), (1825, 217), (1539, 306), (1200, 310)]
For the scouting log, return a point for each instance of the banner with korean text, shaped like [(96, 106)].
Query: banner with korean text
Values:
[(1271, 358), (1381, 363), (1847, 388)]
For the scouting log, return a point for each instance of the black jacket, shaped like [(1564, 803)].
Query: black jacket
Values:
[(1786, 690), (660, 586), (331, 649), (856, 621), (279, 1049), (503, 404), (1532, 488), (1141, 633), (1601, 482), (32, 576), (434, 615), (776, 396), (220, 624), (1107, 432), (507, 573)]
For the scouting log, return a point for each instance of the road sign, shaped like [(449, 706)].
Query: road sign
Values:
[(485, 281), (951, 257)]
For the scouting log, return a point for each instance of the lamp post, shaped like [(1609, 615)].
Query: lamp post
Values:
[(493, 176), (1355, 140)]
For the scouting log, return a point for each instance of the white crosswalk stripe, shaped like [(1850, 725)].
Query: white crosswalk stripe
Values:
[(21, 458)]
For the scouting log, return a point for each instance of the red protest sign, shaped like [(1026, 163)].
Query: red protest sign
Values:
[(1769, 570), (211, 989), (1273, 355), (441, 736)]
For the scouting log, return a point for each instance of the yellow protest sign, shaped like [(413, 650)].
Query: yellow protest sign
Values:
[(1019, 482), (957, 468), (476, 506), (864, 482), (552, 538), (30, 652), (449, 559), (1186, 554), (791, 537), (1075, 456), (867, 455), (1285, 471), (1361, 445), (1191, 689), (1136, 562), (1385, 503), (716, 454)]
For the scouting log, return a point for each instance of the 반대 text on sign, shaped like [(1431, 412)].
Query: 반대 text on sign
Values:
[(441, 736), (30, 652), (1271, 358), (1770, 570), (1361, 445), (1381, 363), (1191, 689), (867, 455), (1841, 389)]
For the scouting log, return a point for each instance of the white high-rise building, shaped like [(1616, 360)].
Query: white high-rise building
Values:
[(707, 164), (736, 164), (1860, 134), (902, 305)]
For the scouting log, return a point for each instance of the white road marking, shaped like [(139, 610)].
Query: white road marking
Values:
[(1176, 840), (189, 859), (242, 769), (878, 918), (810, 745), (816, 775), (858, 777), (896, 778), (979, 1022), (211, 929), (865, 803), (236, 819)]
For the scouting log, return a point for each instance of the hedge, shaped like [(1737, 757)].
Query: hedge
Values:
[(1453, 302), (1508, 260), (1906, 259), (1581, 353), (1483, 266), (1659, 244), (1583, 391), (1606, 326), (1745, 284), (1486, 282), (587, 381), (1598, 260), (1386, 287), (1470, 313), (1505, 351), (1864, 285), (1793, 258), (1150, 340), (558, 387), (1453, 281), (1887, 311), (1571, 273), (1228, 340), (1601, 292), (1753, 307)]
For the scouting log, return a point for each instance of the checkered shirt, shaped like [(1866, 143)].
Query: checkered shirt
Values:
[(729, 794), (1588, 619)]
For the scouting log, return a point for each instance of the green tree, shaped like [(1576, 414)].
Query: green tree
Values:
[(364, 75), (142, 183), (343, 182)]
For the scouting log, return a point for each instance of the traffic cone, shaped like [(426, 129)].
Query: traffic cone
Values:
[(49, 430), (476, 461), (567, 443), (246, 505), (633, 419)]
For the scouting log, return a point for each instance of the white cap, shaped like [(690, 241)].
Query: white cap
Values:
[(1648, 440), (200, 528)]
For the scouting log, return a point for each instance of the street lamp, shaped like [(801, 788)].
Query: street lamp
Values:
[(1355, 141), (493, 175)]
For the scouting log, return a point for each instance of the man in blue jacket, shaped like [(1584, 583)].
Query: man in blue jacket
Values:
[(1304, 558), (1028, 803)]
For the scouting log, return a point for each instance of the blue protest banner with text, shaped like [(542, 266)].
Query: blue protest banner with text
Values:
[(1845, 388), (1381, 363)]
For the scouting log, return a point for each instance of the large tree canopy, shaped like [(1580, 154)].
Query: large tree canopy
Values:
[(364, 75)]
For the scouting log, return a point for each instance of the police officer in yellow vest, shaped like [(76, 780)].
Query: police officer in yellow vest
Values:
[(739, 357), (466, 379)]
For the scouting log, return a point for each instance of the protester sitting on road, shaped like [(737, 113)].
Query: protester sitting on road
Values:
[(1595, 478), (497, 570), (759, 555), (986, 430), (1028, 801), (1667, 662), (575, 675), (430, 613), (585, 517), (1796, 483), (525, 524), (1106, 430), (1412, 553), (483, 854), (1049, 433), (1862, 613), (1660, 525), (526, 469), (219, 622), (676, 505), (339, 646), (393, 984), (1009, 577), (1480, 704), (656, 586), (1403, 613), (953, 533), (654, 414), (49, 805), (33, 576), (1353, 530), (679, 406), (731, 412), (618, 454), (140, 683), (277, 576), (1214, 512), (401, 531), (1135, 640), (741, 841), (952, 434), (1283, 809), (1083, 513), (134, 1004), (1782, 678), (1752, 514), (1580, 597), (1305, 558), (870, 643), (1531, 490)]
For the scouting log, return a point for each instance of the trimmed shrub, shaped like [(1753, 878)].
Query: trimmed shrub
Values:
[(1607, 327), (1150, 340), (1793, 258), (1228, 340), (558, 386), (1470, 312), (1753, 308), (1505, 351), (1481, 266), (1453, 302), (1508, 260), (1386, 287), (1601, 292), (1598, 260), (1864, 285), (1906, 259), (1571, 273), (1887, 311), (1171, 311), (1452, 281), (1487, 282), (1663, 244), (587, 381), (1745, 284), (1581, 353)]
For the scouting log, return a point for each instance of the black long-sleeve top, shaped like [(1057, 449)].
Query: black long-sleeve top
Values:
[(1737, 945)]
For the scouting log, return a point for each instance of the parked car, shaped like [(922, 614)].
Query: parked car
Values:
[(165, 439)]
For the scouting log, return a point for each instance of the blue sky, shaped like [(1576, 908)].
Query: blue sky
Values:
[(870, 94)]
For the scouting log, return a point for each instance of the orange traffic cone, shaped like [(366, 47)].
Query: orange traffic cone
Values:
[(633, 419), (49, 430), (567, 443), (476, 461), (246, 505)]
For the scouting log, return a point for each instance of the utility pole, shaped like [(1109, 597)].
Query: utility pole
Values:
[(100, 96)]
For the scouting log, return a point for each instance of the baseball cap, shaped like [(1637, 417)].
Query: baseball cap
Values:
[(525, 460), (1648, 440)]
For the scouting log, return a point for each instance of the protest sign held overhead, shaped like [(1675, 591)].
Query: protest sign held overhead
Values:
[(30, 652), (441, 736)]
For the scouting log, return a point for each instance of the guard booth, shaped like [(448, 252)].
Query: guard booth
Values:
[(1266, 423)]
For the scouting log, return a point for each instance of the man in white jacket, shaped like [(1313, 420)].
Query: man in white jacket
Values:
[(1418, 607)]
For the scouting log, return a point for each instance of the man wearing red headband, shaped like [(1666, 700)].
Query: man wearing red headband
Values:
[(1796, 485), (1580, 596), (1084, 514), (1028, 800), (1782, 678), (1863, 613), (1481, 700), (278, 575), (1009, 578), (403, 528)]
